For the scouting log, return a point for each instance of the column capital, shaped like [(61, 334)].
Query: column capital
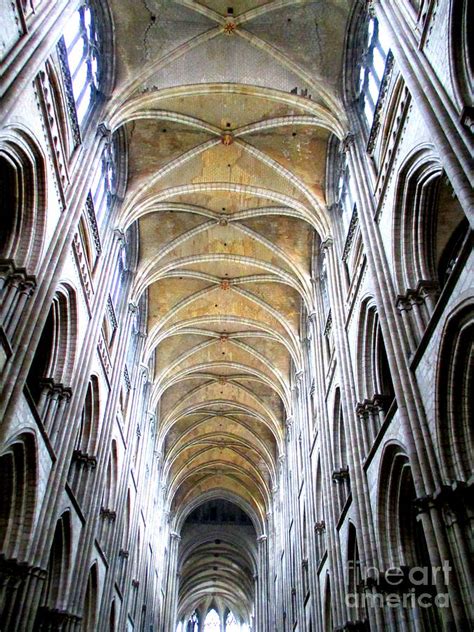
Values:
[(347, 141), (262, 538), (120, 235), (335, 207), (371, 4), (326, 244), (175, 536), (104, 131)]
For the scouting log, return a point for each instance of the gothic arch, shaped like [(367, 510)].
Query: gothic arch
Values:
[(89, 619), (339, 433), (401, 537), (23, 203), (454, 394), (54, 357), (18, 480), (327, 606), (461, 53), (54, 593), (357, 611), (375, 380), (88, 431), (111, 478), (429, 224)]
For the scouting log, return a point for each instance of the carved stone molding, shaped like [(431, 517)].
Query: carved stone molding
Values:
[(341, 475), (70, 101), (418, 295), (108, 514), (350, 234), (380, 105), (82, 459), (379, 403)]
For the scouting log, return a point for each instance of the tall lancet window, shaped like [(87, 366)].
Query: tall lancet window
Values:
[(212, 622), (104, 183), (231, 624), (82, 49), (372, 68), (346, 191)]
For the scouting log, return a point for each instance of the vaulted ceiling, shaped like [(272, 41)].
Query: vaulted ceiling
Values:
[(227, 107)]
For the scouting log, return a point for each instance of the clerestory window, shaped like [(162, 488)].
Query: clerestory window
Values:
[(82, 50), (372, 68), (346, 192), (231, 624), (104, 183)]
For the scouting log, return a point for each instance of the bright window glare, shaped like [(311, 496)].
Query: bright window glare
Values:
[(212, 622), (383, 37), (74, 56), (73, 26), (231, 624), (372, 69), (373, 88), (84, 106), (81, 45), (379, 63)]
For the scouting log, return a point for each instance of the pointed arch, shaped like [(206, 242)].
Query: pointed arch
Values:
[(89, 619), (23, 199), (454, 394)]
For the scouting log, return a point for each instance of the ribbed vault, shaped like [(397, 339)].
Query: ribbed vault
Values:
[(227, 109)]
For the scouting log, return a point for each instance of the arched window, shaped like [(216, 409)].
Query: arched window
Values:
[(193, 623), (82, 50), (104, 183), (212, 622), (346, 191), (231, 624), (372, 68)]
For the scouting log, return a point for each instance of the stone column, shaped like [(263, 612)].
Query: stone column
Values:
[(262, 585), (172, 585), (358, 481), (328, 498)]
